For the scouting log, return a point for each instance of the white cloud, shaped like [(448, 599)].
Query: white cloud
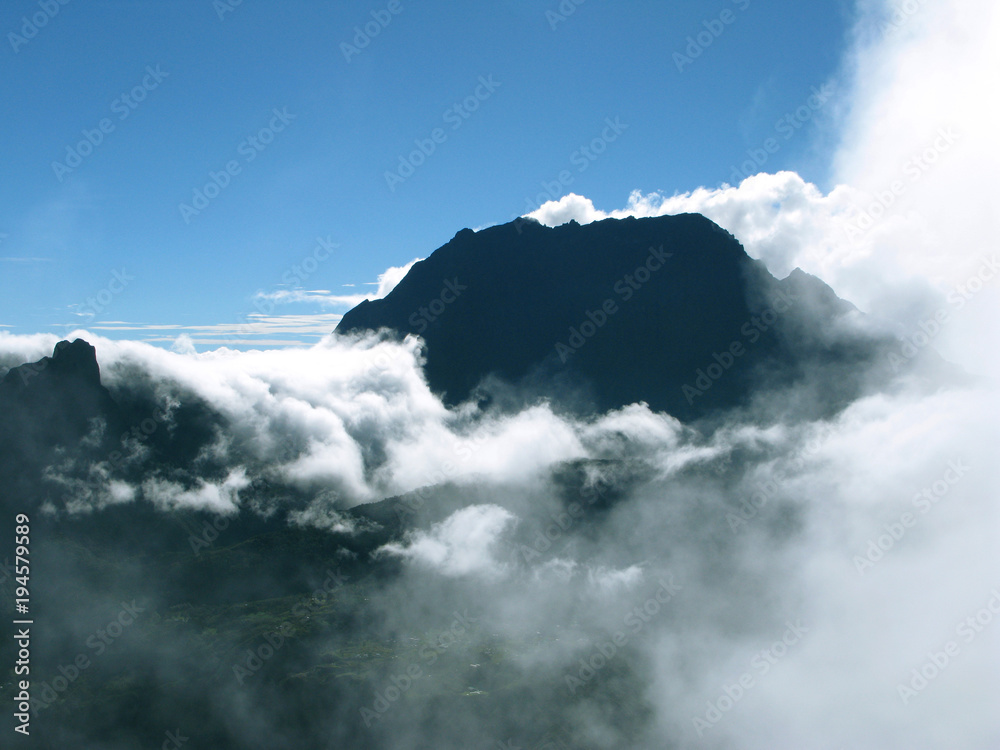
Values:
[(899, 270), (780, 219), (322, 513), (388, 279), (184, 344), (218, 497), (518, 448), (936, 71), (461, 545)]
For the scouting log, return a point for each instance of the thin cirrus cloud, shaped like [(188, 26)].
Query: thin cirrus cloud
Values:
[(256, 330), (387, 281), (265, 327)]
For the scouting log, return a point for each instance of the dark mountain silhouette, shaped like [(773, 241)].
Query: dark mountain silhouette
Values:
[(56, 411), (55, 403), (56, 396), (668, 310)]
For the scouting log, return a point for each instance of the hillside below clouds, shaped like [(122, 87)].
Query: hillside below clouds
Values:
[(669, 311)]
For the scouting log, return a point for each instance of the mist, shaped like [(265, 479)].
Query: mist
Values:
[(743, 582)]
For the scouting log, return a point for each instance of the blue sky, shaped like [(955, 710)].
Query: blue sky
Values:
[(183, 90)]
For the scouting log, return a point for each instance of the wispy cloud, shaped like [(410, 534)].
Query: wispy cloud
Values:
[(256, 330), (314, 296), (262, 328), (387, 281)]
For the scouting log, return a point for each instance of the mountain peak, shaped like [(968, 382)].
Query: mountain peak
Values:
[(51, 402), (75, 360), (78, 358), (598, 316)]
